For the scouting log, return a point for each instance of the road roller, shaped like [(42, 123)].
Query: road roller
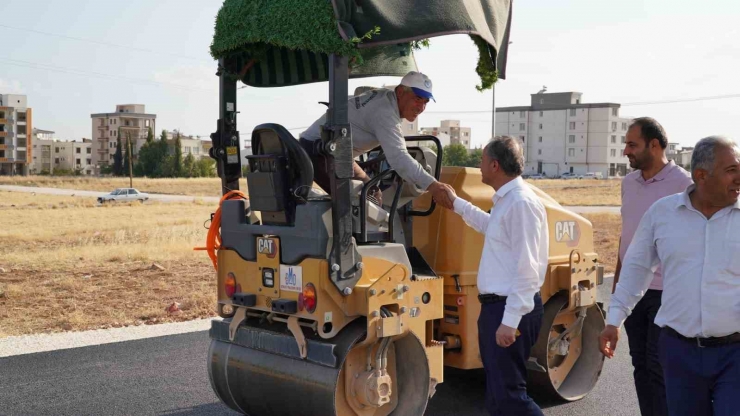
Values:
[(334, 303)]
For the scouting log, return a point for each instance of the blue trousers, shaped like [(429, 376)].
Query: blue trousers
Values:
[(642, 334), (506, 373), (700, 381)]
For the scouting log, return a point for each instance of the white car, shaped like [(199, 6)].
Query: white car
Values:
[(569, 175), (123, 195)]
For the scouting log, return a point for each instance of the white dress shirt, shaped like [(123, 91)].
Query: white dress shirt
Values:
[(700, 259), (514, 258)]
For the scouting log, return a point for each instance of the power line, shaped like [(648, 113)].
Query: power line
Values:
[(105, 43), (54, 68), (636, 103)]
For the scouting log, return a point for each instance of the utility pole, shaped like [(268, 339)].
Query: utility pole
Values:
[(493, 112), (130, 163)]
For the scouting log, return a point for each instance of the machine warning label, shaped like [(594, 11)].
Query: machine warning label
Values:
[(291, 278), (567, 232)]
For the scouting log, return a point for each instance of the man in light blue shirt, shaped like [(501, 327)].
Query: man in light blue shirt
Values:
[(512, 270)]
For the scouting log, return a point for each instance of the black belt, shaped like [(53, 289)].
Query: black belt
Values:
[(705, 342), (491, 298)]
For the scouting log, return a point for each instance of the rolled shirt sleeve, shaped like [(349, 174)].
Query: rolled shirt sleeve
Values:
[(388, 133), (638, 268), (525, 233)]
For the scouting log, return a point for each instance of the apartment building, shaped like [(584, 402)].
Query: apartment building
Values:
[(51, 155), (15, 141), (450, 132), (129, 120), (680, 155), (562, 134), (190, 145)]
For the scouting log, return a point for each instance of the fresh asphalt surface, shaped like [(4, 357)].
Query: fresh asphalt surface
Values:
[(167, 376)]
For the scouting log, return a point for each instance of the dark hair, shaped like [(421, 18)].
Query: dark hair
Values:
[(650, 129), (507, 151)]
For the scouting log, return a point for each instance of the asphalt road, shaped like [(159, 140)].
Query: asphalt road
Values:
[(174, 198), (167, 376)]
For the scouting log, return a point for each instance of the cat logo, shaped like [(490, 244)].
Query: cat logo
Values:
[(266, 246), (567, 232)]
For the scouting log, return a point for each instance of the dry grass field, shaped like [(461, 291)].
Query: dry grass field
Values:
[(567, 192), (581, 192), (68, 264), (173, 186)]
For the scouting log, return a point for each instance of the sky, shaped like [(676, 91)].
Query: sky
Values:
[(74, 58)]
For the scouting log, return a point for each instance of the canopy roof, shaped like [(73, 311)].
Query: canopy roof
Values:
[(287, 42)]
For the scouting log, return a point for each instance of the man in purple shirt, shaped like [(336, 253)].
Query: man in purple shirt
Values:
[(654, 178)]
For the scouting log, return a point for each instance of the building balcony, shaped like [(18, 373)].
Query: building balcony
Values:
[(6, 159), (3, 121), (3, 134)]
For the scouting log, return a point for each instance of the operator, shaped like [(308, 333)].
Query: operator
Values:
[(375, 118), (511, 271), (694, 237)]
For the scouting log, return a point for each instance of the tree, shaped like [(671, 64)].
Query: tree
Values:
[(188, 166), (149, 135), (177, 167), (474, 158), (455, 155), (205, 168), (118, 159)]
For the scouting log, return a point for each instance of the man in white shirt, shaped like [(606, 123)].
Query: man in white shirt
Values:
[(511, 272), (376, 117), (695, 237)]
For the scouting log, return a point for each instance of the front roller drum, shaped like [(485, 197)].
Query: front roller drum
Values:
[(261, 373), (568, 361)]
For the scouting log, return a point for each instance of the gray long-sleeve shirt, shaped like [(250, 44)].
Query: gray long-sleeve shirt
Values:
[(375, 120)]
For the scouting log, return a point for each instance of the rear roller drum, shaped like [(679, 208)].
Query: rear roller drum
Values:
[(568, 360)]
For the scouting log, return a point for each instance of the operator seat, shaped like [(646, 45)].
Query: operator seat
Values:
[(280, 176)]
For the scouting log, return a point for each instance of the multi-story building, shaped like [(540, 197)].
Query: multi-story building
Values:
[(15, 141), (190, 145), (129, 120), (450, 132), (561, 134), (52, 155), (680, 156)]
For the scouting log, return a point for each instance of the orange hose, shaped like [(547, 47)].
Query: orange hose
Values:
[(213, 239)]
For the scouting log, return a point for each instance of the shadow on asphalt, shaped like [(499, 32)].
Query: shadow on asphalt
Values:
[(210, 409)]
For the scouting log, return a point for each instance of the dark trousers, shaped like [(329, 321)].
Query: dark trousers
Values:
[(700, 381), (506, 373), (643, 336)]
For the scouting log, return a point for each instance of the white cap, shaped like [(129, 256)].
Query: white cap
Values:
[(419, 83)]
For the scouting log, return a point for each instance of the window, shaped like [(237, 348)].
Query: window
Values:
[(56, 160), (131, 192), (542, 100), (79, 150), (571, 139), (146, 124), (78, 162), (572, 111), (540, 139), (89, 150), (624, 126), (521, 126), (615, 112), (542, 113), (539, 151), (540, 126), (571, 152), (614, 139), (522, 137), (572, 125), (614, 126), (56, 150), (89, 161), (522, 114), (624, 140), (614, 152)]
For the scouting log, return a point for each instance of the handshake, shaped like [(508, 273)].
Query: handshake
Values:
[(443, 194)]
